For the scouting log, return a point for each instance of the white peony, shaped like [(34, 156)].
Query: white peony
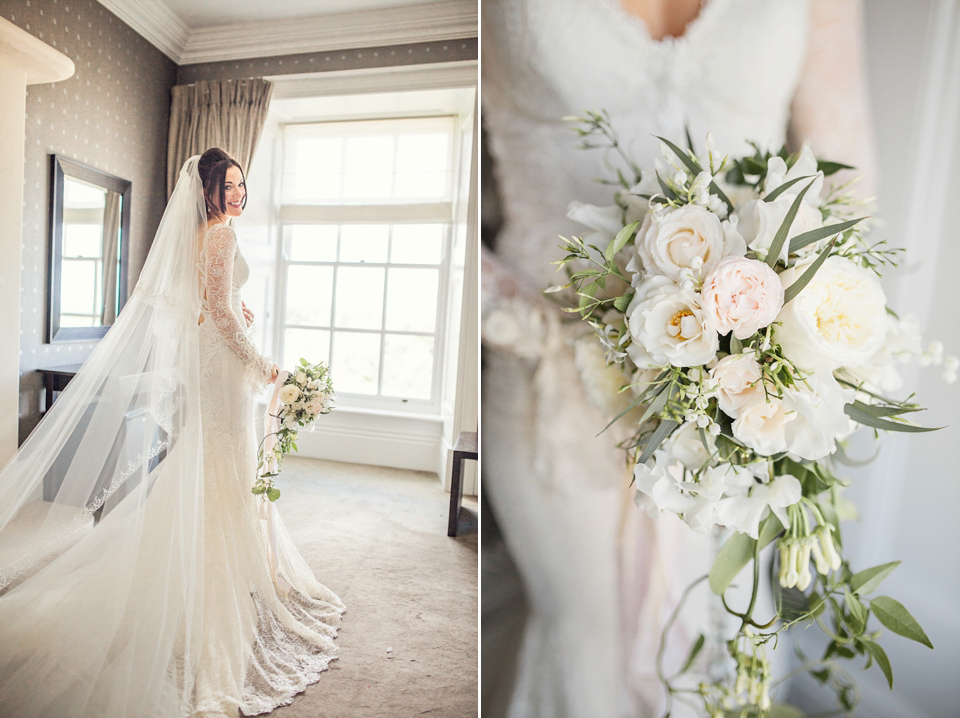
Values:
[(742, 295), (670, 326), (289, 394), (760, 220), (817, 417), (744, 513), (739, 381), (689, 237), (838, 319), (805, 166), (761, 426)]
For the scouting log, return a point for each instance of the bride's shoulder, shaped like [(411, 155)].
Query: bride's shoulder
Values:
[(220, 232)]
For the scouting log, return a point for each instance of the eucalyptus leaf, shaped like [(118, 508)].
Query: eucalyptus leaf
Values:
[(869, 579), (894, 616), (737, 552), (773, 253), (690, 162), (794, 289), (273, 494), (829, 168), (618, 242), (736, 346), (880, 656), (697, 646), (862, 417), (784, 187), (622, 302), (661, 433), (815, 235), (665, 188), (857, 611)]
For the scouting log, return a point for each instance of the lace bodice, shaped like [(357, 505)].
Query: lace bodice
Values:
[(733, 72), (223, 271)]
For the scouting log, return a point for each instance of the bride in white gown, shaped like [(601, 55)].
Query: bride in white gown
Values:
[(171, 605), (599, 576)]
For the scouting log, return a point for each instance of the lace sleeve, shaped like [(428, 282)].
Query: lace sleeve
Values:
[(831, 110), (220, 249)]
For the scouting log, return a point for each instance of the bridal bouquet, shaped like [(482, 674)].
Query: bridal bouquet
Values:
[(299, 398), (739, 306)]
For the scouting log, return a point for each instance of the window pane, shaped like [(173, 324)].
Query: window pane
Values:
[(311, 242), (78, 286), (359, 297), (82, 240), (412, 299), (368, 185), (309, 294), (356, 362), (372, 154), (423, 153), (318, 168), (417, 244), (71, 320), (422, 185), (364, 242), (407, 366), (310, 344)]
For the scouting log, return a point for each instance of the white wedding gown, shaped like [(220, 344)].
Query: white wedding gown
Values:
[(88, 635), (600, 577)]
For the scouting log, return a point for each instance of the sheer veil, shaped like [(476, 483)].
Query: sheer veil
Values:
[(101, 520)]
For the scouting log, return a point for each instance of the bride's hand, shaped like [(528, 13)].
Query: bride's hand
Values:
[(274, 373), (247, 315)]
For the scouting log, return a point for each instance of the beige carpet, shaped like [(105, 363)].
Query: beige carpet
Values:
[(378, 538)]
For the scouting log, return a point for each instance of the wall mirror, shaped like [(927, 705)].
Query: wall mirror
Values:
[(89, 248)]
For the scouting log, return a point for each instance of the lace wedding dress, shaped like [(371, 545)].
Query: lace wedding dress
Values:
[(171, 605), (600, 577)]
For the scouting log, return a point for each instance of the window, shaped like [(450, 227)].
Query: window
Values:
[(366, 214)]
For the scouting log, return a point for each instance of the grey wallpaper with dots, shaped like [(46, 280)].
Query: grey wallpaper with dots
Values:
[(416, 54), (112, 114)]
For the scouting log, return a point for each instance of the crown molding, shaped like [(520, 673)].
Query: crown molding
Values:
[(437, 76), (155, 22), (408, 24)]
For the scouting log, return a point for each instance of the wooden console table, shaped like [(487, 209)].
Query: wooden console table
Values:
[(464, 448), (56, 379)]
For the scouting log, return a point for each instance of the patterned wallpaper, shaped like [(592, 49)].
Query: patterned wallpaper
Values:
[(415, 54), (113, 115)]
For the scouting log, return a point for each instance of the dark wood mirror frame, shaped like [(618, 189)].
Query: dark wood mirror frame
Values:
[(62, 167)]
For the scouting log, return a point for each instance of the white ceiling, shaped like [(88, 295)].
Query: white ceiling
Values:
[(194, 31), (197, 14)]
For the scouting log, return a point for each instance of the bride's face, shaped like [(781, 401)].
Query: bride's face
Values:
[(234, 192)]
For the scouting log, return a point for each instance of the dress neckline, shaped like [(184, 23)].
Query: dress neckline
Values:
[(692, 28)]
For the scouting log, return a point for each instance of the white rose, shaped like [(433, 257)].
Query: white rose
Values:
[(839, 319), (759, 221), (762, 425), (739, 382), (670, 325), (301, 378), (689, 237), (817, 419), (742, 295), (289, 394)]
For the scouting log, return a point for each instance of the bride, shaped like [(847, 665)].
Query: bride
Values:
[(171, 604), (600, 577)]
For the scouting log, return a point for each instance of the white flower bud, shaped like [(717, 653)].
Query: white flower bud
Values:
[(679, 177), (803, 564)]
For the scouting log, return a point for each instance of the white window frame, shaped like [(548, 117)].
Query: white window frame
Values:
[(394, 213)]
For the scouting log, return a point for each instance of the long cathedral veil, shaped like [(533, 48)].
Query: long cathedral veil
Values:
[(101, 509)]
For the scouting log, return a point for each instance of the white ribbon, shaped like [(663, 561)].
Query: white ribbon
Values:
[(268, 512)]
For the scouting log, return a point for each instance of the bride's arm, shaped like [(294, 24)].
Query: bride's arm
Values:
[(221, 247), (515, 316), (831, 109)]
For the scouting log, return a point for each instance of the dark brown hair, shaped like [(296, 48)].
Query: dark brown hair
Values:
[(212, 167)]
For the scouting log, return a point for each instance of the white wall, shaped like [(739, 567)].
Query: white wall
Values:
[(910, 496)]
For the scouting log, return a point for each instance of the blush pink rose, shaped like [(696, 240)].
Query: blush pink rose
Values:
[(742, 295)]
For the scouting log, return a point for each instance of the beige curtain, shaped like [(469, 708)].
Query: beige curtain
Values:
[(111, 256), (228, 114)]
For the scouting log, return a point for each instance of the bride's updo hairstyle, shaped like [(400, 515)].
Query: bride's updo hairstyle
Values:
[(212, 168)]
